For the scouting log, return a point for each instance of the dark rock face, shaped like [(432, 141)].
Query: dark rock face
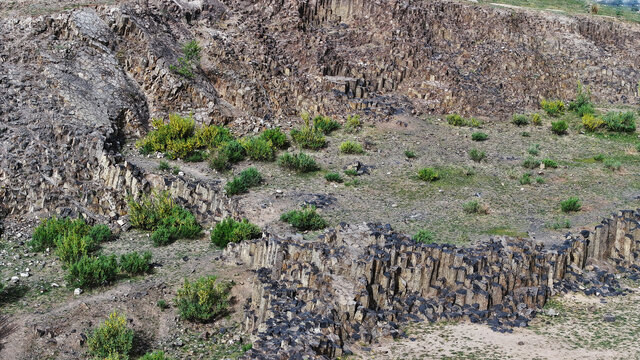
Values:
[(357, 284)]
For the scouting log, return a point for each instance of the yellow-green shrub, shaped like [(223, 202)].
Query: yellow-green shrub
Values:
[(592, 123)]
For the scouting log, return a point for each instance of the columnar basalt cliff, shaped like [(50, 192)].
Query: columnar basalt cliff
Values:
[(356, 284)]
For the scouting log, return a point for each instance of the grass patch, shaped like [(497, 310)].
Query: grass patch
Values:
[(305, 219), (241, 184), (203, 300), (230, 230), (301, 162), (501, 231)]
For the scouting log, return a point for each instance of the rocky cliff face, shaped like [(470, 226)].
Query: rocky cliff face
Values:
[(357, 284), (76, 84)]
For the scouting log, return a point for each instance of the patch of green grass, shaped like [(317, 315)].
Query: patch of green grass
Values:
[(559, 127), (457, 120), (333, 177), (477, 155), (501, 231), (572, 204), (301, 162), (531, 163), (411, 155), (613, 165), (305, 219), (424, 237), (552, 107), (240, 184), (550, 164), (351, 147), (525, 179), (520, 119), (230, 230), (479, 136), (559, 224), (428, 174), (203, 300)]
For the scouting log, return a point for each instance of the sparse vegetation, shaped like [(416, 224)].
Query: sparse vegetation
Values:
[(520, 120), (90, 271), (156, 355), (352, 124), (240, 184), (560, 224), (203, 300), (525, 179), (301, 162), (411, 155), (477, 155), (325, 124), (457, 120), (475, 207), (305, 219), (112, 337), (259, 149), (536, 119), (623, 122), (351, 147), (559, 127), (592, 123), (479, 136), (189, 60), (424, 237), (309, 136), (428, 174), (230, 230), (135, 264), (552, 107), (548, 163), (531, 163), (277, 138), (612, 165), (333, 177), (534, 149), (572, 204)]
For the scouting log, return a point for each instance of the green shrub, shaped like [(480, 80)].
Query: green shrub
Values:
[(276, 137), (212, 136), (135, 264), (428, 174), (457, 120), (259, 149), (351, 147), (612, 165), (89, 272), (548, 163), (525, 134), (424, 237), (203, 300), (164, 166), (410, 154), (474, 207), (230, 230), (352, 124), (72, 247), (638, 147), (111, 337), (333, 177), (196, 156), (531, 163), (525, 179), (351, 172), (308, 136), (156, 355), (191, 51), (591, 123), (539, 180), (50, 230), (479, 136), (552, 108), (477, 155), (243, 182), (520, 119), (325, 124), (534, 149), (162, 304), (571, 204), (220, 161), (305, 219), (100, 233), (620, 121), (559, 127), (302, 163), (560, 224), (158, 213), (598, 158), (536, 119), (582, 104)]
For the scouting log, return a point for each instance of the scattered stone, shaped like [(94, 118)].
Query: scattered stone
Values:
[(77, 291)]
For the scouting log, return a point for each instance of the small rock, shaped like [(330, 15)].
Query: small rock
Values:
[(520, 342), (24, 274), (552, 312), (15, 279), (609, 317), (77, 291)]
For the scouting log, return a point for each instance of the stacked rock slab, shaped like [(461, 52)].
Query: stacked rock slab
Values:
[(357, 284)]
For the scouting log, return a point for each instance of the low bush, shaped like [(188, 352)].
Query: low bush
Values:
[(534, 149), (428, 174), (474, 207), (111, 337), (308, 136), (572, 204), (203, 300), (351, 172), (624, 122), (552, 107), (164, 166), (612, 165), (479, 136), (258, 148), (536, 119), (560, 224), (424, 237), (410, 154), (212, 136), (156, 355), (162, 304), (305, 219), (598, 158), (559, 127), (135, 264), (100, 233), (457, 120), (525, 179), (333, 177), (582, 104), (531, 163), (240, 184), (72, 247), (539, 180), (525, 134), (352, 124), (50, 230), (351, 147), (219, 161), (230, 230), (325, 124), (548, 163), (477, 155), (276, 137), (301, 162), (592, 123), (520, 119), (89, 271)]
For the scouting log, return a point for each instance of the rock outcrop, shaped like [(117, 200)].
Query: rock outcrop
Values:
[(357, 284)]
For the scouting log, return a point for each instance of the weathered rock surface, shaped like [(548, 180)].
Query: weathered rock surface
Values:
[(357, 284)]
